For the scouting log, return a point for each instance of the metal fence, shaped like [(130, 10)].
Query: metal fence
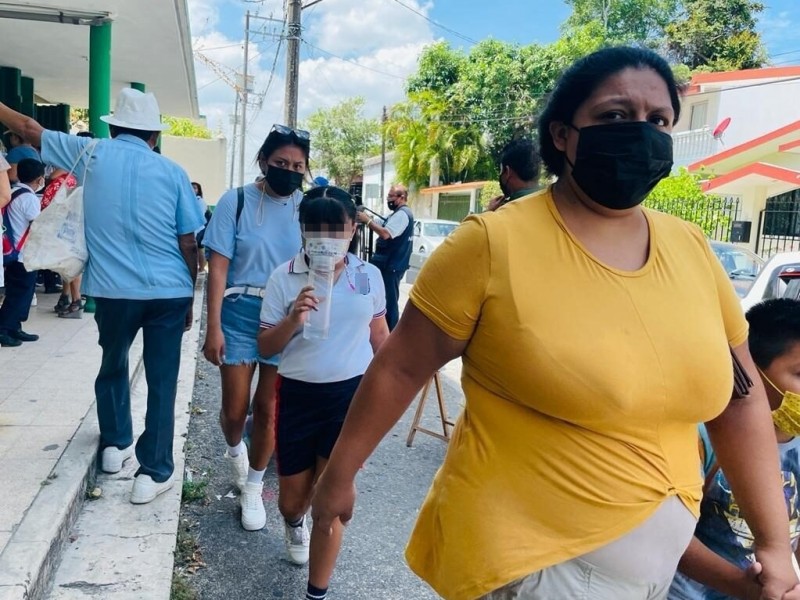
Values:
[(714, 214), (779, 225)]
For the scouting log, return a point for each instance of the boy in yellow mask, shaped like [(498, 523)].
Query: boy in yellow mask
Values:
[(719, 563)]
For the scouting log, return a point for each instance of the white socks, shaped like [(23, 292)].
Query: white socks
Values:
[(254, 476), (234, 451)]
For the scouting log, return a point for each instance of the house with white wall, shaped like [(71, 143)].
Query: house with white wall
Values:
[(742, 128), (371, 190)]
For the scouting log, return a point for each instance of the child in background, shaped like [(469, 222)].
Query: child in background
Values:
[(719, 563)]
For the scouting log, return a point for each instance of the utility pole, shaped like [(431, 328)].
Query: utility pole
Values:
[(245, 88), (294, 29), (233, 138), (383, 152)]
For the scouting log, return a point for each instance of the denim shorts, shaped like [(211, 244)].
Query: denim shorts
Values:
[(240, 326)]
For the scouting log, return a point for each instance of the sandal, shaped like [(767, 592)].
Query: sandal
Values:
[(63, 303), (73, 311)]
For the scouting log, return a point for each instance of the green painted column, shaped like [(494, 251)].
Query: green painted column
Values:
[(138, 86), (99, 77), (99, 90)]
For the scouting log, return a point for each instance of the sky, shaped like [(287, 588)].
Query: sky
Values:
[(367, 48)]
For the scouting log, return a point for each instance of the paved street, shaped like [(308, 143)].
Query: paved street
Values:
[(391, 488)]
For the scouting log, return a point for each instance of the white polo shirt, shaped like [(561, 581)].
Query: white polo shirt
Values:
[(358, 297)]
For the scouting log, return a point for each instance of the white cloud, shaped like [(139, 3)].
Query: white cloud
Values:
[(203, 15), (355, 26), (381, 40)]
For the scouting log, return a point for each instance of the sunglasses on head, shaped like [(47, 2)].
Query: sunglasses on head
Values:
[(300, 134)]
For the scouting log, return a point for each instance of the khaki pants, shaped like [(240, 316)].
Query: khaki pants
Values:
[(578, 580)]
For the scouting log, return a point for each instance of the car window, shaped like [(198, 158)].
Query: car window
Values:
[(438, 229)]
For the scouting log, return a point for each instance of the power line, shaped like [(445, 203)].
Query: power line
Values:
[(352, 62), (437, 24), (263, 94)]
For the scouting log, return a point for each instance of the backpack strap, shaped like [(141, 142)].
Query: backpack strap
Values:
[(16, 194), (239, 203), (8, 230)]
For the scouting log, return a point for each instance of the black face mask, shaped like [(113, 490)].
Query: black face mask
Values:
[(391, 204), (617, 165), (283, 181)]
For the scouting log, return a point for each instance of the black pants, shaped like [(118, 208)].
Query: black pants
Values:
[(20, 286), (50, 280), (391, 281), (162, 323)]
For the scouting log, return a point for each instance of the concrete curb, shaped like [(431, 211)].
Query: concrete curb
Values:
[(28, 560)]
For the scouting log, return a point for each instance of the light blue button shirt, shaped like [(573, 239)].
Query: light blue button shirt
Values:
[(267, 235), (136, 204)]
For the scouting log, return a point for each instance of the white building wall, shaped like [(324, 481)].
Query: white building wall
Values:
[(753, 109), (203, 160), (757, 110), (371, 194)]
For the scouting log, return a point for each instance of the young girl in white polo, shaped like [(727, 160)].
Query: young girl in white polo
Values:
[(318, 377)]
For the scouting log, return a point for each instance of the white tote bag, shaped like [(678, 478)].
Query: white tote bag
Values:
[(57, 241)]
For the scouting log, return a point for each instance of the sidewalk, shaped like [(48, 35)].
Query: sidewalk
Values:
[(48, 449), (46, 458)]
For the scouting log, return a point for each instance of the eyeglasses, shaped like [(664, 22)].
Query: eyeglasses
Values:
[(300, 134)]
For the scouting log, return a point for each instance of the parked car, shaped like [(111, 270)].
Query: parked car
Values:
[(428, 234), (741, 265), (779, 278)]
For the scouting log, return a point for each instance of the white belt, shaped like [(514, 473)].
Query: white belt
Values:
[(246, 290)]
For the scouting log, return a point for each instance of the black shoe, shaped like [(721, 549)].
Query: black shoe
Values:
[(22, 336), (6, 341)]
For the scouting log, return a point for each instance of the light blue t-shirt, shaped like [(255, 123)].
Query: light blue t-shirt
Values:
[(136, 204), (721, 526), (267, 235)]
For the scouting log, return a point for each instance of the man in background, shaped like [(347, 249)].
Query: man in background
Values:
[(519, 172), (393, 248), (140, 216), (19, 149)]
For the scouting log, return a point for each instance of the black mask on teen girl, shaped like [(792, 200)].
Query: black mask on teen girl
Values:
[(618, 164), (283, 181)]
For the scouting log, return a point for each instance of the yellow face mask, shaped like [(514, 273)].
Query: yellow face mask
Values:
[(787, 416)]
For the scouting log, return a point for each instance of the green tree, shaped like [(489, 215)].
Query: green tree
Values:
[(623, 21), (717, 35), (424, 133), (681, 195), (491, 190), (181, 127), (342, 138)]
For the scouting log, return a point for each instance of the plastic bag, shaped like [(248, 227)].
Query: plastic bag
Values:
[(57, 241)]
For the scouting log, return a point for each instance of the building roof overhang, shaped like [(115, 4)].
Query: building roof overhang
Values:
[(454, 187), (775, 179), (150, 44)]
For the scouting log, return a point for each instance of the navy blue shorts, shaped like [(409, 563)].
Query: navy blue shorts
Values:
[(309, 419)]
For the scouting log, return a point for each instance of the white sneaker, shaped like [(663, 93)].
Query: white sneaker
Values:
[(113, 458), (240, 465), (146, 490), (298, 541), (254, 517)]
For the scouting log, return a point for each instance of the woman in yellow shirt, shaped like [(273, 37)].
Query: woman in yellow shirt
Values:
[(594, 335)]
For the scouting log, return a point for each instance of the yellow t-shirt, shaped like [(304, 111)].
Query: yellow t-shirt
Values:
[(584, 386)]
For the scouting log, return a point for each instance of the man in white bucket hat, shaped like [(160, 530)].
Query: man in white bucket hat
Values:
[(140, 215)]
